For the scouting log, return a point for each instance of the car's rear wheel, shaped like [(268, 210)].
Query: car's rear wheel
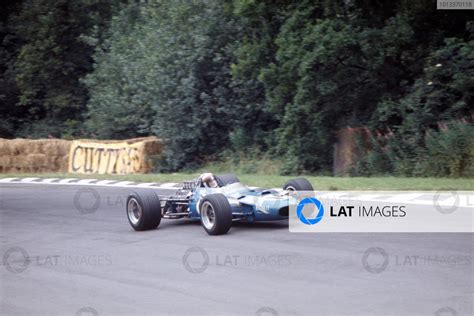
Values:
[(226, 179), (216, 214), (143, 210), (298, 184)]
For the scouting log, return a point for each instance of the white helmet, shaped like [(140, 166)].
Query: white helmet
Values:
[(209, 180)]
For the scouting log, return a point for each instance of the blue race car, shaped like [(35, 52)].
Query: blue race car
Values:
[(215, 200)]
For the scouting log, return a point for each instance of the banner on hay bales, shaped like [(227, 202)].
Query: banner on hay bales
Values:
[(119, 158)]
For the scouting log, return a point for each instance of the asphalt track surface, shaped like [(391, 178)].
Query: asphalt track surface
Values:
[(69, 250)]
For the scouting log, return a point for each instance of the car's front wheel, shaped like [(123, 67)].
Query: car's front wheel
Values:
[(216, 214), (143, 210)]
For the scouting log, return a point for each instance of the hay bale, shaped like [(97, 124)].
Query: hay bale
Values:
[(18, 147), (36, 162), (7, 170), (52, 155), (19, 162), (63, 147), (153, 147), (63, 164), (8, 148), (51, 162), (51, 149), (34, 146), (5, 161), (4, 147)]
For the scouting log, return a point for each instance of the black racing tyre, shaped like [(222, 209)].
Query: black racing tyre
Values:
[(143, 210), (226, 179), (216, 214), (298, 184)]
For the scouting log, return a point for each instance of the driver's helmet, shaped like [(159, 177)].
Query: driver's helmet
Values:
[(209, 180)]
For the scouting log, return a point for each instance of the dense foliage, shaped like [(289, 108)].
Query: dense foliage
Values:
[(44, 54), (246, 77)]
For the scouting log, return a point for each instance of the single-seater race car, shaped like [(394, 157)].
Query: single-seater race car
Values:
[(216, 201)]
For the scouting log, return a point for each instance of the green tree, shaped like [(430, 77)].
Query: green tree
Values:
[(122, 85), (166, 69), (10, 115), (52, 59), (332, 64), (282, 78), (442, 94)]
